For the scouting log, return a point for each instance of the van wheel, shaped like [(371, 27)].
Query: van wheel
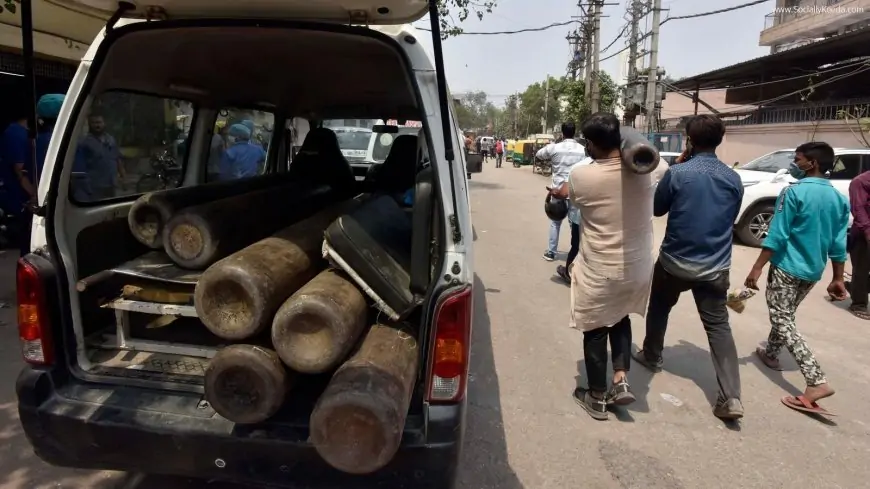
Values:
[(755, 225)]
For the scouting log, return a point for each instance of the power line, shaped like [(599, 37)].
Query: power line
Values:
[(714, 12), (519, 31), (618, 37)]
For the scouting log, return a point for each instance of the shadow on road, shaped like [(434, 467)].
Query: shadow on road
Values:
[(484, 185), (485, 459)]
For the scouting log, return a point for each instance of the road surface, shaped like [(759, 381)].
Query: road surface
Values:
[(524, 430)]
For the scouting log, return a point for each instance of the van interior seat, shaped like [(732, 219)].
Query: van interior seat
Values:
[(399, 170), (320, 161)]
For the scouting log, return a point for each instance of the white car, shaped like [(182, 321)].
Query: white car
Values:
[(765, 177)]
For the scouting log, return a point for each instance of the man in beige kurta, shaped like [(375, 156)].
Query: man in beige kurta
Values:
[(611, 275)]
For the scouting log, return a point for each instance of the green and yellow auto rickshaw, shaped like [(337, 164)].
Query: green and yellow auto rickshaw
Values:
[(523, 153)]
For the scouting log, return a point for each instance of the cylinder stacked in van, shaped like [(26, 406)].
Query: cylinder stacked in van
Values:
[(198, 236), (152, 211), (237, 297)]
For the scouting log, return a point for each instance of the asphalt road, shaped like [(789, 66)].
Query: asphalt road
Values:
[(524, 430)]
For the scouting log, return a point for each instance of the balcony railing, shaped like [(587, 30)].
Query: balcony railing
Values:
[(802, 9), (808, 112)]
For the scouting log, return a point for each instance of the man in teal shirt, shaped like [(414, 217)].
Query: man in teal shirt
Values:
[(808, 227)]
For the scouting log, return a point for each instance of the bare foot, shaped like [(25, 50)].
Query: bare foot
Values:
[(817, 392)]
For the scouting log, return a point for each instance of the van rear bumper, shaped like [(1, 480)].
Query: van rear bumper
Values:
[(157, 432)]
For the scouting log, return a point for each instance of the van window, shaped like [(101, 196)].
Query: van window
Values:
[(132, 143), (354, 144), (240, 144)]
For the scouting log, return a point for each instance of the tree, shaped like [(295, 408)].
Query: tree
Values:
[(462, 10), (575, 93), (858, 122), (476, 112), (532, 103)]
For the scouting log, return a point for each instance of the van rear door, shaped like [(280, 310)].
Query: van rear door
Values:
[(378, 12)]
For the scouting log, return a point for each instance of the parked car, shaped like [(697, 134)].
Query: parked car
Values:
[(97, 394), (765, 177)]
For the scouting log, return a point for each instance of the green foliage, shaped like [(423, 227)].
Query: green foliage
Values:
[(859, 125), (454, 12), (475, 112), (575, 91), (9, 6)]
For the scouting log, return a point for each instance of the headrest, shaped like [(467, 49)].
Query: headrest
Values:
[(398, 171), (320, 141)]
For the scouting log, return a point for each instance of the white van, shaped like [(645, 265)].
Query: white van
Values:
[(114, 383)]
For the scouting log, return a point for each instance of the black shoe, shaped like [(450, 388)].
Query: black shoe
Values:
[(654, 365), (729, 410), (597, 408), (549, 256), (620, 394)]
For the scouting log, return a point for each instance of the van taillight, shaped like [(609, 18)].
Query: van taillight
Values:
[(449, 355), (33, 327)]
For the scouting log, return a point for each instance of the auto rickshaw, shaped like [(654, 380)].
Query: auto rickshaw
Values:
[(509, 149), (523, 153), (543, 167)]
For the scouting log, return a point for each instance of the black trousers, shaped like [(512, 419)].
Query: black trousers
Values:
[(860, 255), (575, 244), (710, 299), (595, 352)]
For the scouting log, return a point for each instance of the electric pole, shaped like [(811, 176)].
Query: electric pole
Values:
[(596, 51), (546, 104), (587, 71), (516, 112), (652, 73), (574, 41)]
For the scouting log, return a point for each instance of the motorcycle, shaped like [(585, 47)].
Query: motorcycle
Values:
[(166, 175), (543, 167)]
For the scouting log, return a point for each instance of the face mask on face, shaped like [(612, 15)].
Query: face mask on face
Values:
[(795, 171)]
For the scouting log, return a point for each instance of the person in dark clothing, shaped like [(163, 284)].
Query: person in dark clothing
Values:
[(696, 255), (19, 193), (859, 244)]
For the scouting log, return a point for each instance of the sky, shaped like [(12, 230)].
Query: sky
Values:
[(501, 65)]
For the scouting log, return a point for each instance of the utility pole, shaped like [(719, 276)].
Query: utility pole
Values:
[(546, 104), (516, 112), (574, 41), (596, 51), (587, 72), (652, 74)]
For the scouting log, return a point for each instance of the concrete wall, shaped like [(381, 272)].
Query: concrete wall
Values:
[(744, 143)]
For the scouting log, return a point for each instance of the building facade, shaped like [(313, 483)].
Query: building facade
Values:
[(795, 23)]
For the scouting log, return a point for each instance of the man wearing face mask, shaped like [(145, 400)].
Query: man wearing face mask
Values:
[(808, 227)]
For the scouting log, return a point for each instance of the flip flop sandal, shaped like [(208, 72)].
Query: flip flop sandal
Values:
[(860, 313), (801, 403), (597, 408), (620, 394), (772, 364)]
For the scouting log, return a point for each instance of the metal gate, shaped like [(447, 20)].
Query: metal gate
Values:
[(667, 141)]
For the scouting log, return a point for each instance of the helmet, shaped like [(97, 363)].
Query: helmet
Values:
[(556, 209)]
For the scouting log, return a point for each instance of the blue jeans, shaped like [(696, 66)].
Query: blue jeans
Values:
[(553, 244)]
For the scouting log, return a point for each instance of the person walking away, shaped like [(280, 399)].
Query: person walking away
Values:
[(563, 156), (696, 255), (19, 193), (241, 159), (610, 278), (859, 244), (499, 153), (100, 157), (808, 226)]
